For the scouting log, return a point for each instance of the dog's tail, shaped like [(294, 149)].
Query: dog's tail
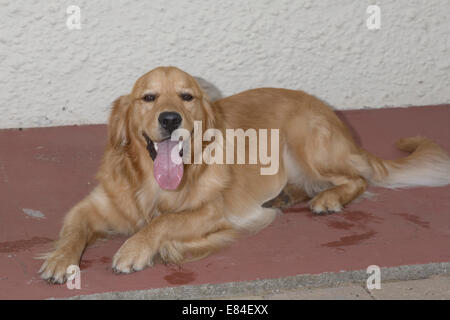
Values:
[(427, 165)]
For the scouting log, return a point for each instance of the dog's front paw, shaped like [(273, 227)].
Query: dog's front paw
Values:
[(134, 255), (54, 269)]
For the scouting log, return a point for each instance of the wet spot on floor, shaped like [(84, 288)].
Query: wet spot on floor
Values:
[(20, 245), (350, 240), (340, 225), (105, 260), (360, 216), (86, 263), (180, 277), (297, 210), (414, 219), (34, 213)]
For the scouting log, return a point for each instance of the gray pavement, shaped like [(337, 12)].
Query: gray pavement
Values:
[(427, 281)]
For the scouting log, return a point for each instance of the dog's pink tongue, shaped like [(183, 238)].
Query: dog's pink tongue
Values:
[(168, 166)]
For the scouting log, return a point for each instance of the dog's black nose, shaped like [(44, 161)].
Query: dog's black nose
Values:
[(170, 121)]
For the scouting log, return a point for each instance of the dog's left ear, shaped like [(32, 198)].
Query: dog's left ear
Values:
[(117, 130), (210, 118)]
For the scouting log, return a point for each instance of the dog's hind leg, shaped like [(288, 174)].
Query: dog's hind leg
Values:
[(321, 158), (345, 190), (288, 197), (330, 178)]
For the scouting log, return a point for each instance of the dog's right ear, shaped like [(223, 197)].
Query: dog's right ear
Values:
[(117, 130)]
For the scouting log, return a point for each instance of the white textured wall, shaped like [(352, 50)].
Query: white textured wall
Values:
[(50, 75)]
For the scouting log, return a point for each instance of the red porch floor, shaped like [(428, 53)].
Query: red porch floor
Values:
[(45, 171)]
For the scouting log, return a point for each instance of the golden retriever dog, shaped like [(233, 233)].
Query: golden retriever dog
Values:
[(177, 211)]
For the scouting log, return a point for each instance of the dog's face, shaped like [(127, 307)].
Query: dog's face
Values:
[(162, 101)]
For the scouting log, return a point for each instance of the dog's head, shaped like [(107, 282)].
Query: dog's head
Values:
[(162, 101)]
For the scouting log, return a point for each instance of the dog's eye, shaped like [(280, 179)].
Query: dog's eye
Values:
[(186, 96), (149, 97)]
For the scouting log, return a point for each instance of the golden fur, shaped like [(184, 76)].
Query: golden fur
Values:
[(319, 160)]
